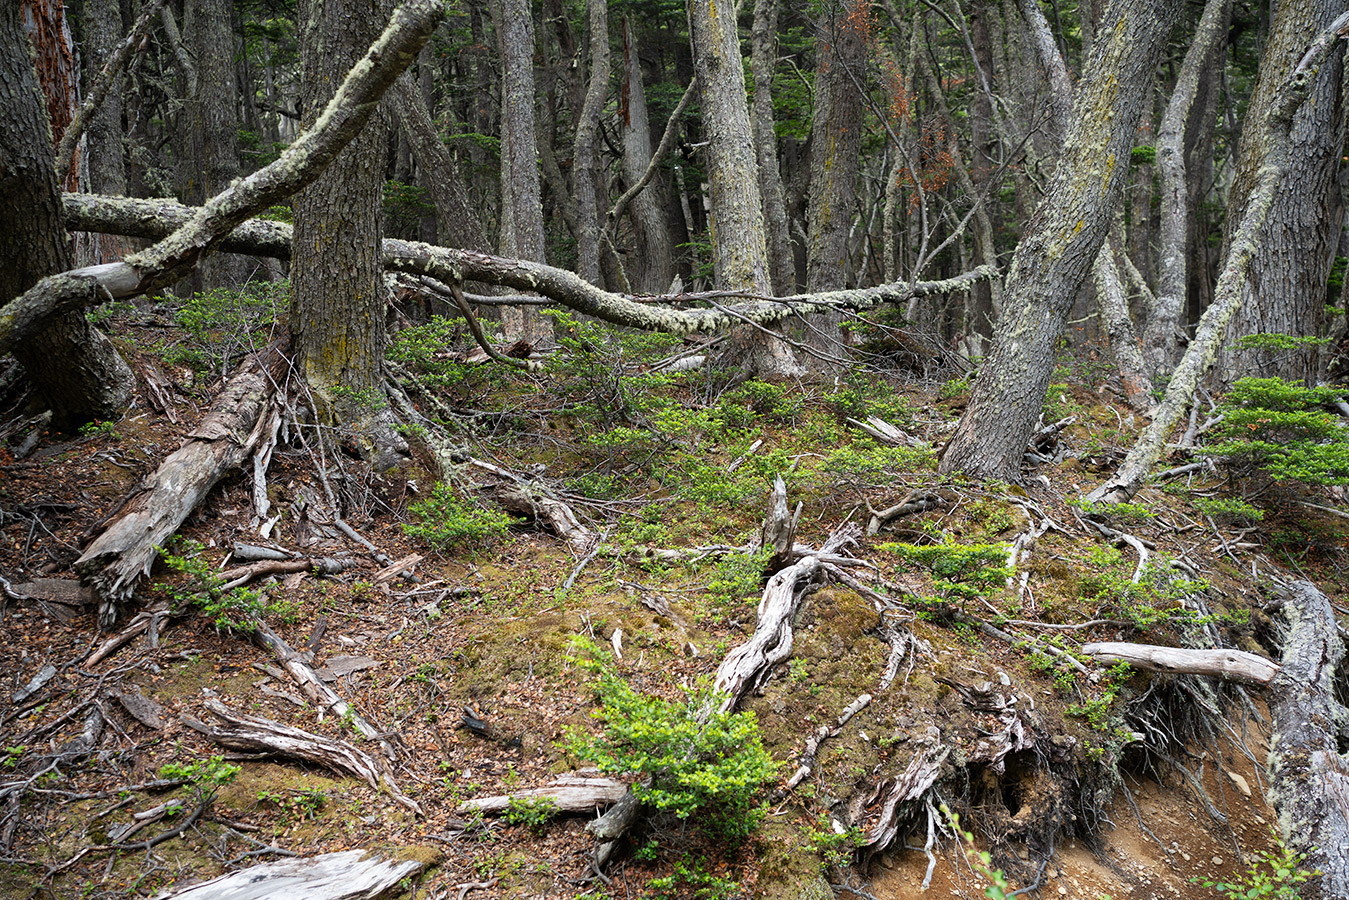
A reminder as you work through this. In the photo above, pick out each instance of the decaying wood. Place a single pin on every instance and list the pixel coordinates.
(253, 733)
(396, 568)
(1309, 778)
(1232, 665)
(900, 796)
(242, 575)
(139, 624)
(314, 687)
(128, 547)
(570, 794)
(348, 875)
(886, 433)
(552, 513)
(749, 664)
(915, 501)
(778, 533)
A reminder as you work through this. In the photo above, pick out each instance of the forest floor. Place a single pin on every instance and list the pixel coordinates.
(1078, 778)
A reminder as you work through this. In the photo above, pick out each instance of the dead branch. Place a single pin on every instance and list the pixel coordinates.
(242, 575)
(903, 794)
(570, 793)
(823, 733)
(1231, 665)
(128, 547)
(915, 501)
(256, 734)
(886, 433)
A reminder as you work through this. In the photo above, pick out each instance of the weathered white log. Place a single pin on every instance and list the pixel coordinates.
(1309, 778)
(1230, 665)
(884, 432)
(254, 733)
(750, 663)
(128, 547)
(241, 575)
(901, 795)
(570, 793)
(552, 513)
(348, 875)
(778, 533)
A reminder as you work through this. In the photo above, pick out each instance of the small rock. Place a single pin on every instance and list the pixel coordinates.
(1217, 860)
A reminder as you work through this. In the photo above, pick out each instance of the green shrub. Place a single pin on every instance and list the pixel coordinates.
(1274, 875)
(705, 767)
(1229, 509)
(1283, 429)
(533, 812)
(236, 609)
(959, 571)
(449, 522)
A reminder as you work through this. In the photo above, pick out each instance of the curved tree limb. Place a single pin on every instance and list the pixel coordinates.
(176, 255)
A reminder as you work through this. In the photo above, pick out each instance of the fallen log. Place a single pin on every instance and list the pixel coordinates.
(116, 561)
(241, 575)
(1309, 778)
(348, 875)
(254, 734)
(569, 793)
(915, 501)
(1230, 665)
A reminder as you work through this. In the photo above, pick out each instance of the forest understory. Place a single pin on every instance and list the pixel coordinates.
(464, 640)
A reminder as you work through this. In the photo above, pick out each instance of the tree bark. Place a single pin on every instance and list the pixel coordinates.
(1061, 242)
(585, 162)
(72, 366)
(1289, 267)
(764, 60)
(739, 248)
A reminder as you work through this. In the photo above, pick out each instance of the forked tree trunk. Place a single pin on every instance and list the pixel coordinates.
(1061, 242)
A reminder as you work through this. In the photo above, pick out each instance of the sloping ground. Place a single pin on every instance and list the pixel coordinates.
(469, 670)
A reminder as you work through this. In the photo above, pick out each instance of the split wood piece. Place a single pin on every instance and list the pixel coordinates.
(886, 433)
(1308, 775)
(242, 575)
(139, 624)
(129, 546)
(609, 828)
(348, 875)
(392, 571)
(823, 733)
(915, 501)
(902, 795)
(60, 598)
(571, 794)
(1042, 439)
(529, 500)
(256, 734)
(254, 553)
(314, 688)
(262, 459)
(779, 527)
(1230, 665)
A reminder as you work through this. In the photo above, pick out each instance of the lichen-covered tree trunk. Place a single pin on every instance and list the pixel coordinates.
(521, 198)
(1061, 242)
(835, 151)
(337, 285)
(72, 366)
(585, 163)
(653, 269)
(739, 248)
(1162, 330)
(763, 60)
(1286, 287)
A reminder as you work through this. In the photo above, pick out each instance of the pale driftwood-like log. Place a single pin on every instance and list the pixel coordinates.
(570, 793)
(314, 687)
(886, 433)
(902, 794)
(348, 875)
(915, 501)
(128, 547)
(253, 733)
(242, 575)
(1231, 665)
(749, 664)
(1309, 778)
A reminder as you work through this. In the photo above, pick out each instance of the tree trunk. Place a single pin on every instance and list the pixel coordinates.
(521, 204)
(1163, 329)
(654, 251)
(764, 59)
(585, 162)
(1286, 288)
(73, 367)
(835, 149)
(739, 248)
(1061, 242)
(337, 285)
